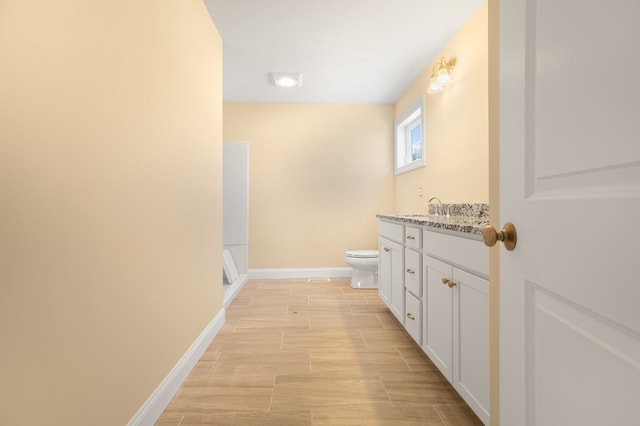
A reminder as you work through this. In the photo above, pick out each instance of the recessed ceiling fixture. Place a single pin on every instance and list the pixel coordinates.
(286, 79)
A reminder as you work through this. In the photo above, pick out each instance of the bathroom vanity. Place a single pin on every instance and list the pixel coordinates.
(433, 276)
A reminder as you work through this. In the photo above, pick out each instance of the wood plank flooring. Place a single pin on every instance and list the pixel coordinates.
(314, 352)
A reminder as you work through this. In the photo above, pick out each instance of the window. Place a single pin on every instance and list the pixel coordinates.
(409, 139)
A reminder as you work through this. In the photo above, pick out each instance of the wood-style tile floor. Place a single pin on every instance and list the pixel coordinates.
(314, 352)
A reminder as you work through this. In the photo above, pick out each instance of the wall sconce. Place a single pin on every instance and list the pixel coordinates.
(440, 76)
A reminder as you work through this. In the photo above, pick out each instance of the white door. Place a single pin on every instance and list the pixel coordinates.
(570, 182)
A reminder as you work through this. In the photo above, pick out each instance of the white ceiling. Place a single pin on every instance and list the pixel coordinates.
(349, 51)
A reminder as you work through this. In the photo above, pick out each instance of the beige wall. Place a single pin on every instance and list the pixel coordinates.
(456, 126)
(110, 191)
(320, 173)
(318, 176)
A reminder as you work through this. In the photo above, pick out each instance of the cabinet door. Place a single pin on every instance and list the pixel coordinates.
(384, 270)
(391, 276)
(397, 282)
(471, 341)
(439, 315)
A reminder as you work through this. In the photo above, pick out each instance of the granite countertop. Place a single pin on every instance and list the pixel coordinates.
(469, 220)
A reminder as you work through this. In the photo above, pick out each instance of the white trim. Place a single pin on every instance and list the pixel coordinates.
(232, 290)
(300, 273)
(160, 398)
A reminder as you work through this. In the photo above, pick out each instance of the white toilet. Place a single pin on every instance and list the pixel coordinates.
(365, 268)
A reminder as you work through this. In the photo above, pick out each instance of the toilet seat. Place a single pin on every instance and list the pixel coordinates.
(362, 254)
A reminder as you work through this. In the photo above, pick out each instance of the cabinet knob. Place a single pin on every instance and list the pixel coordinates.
(410, 316)
(508, 236)
(410, 271)
(447, 281)
(387, 249)
(410, 237)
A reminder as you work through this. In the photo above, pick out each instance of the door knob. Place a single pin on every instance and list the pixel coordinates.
(508, 236)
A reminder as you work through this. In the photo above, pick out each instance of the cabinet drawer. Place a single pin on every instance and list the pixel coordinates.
(413, 320)
(470, 255)
(413, 271)
(392, 231)
(413, 237)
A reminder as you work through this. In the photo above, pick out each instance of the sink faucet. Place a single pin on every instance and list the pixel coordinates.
(437, 207)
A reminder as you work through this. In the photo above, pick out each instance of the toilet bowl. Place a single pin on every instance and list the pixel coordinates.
(365, 268)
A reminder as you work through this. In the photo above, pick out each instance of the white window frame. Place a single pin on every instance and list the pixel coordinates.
(402, 140)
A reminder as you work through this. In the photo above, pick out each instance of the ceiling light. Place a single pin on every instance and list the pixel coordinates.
(286, 79)
(441, 75)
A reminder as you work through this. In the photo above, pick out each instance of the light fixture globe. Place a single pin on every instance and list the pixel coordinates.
(434, 86)
(441, 75)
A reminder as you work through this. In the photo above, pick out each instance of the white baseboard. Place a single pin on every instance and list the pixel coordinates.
(231, 290)
(266, 274)
(160, 398)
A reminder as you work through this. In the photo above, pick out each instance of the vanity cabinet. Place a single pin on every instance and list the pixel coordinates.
(456, 303)
(391, 267)
(435, 281)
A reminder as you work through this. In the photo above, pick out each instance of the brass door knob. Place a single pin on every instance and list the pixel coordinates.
(387, 249)
(445, 281)
(508, 236)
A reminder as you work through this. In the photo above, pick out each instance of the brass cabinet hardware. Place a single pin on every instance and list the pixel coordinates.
(387, 249)
(508, 236)
(410, 316)
(447, 281)
(410, 237)
(410, 271)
